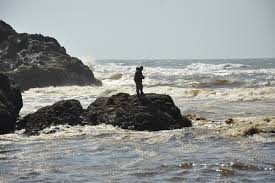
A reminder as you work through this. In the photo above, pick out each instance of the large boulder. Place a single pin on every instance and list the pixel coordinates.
(150, 112)
(61, 113)
(10, 104)
(34, 60)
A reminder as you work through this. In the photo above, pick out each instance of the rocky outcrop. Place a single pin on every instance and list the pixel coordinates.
(34, 60)
(151, 112)
(10, 104)
(61, 113)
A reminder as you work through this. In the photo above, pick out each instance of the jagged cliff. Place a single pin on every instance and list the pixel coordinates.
(34, 60)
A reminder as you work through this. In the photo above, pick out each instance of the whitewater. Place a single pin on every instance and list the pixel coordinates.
(211, 91)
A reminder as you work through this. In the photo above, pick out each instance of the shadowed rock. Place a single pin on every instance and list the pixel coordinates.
(10, 104)
(151, 112)
(251, 131)
(60, 113)
(34, 60)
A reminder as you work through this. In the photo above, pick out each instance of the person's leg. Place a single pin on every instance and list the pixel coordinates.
(137, 88)
(141, 89)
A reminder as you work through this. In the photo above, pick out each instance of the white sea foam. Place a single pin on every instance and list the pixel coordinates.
(75, 92)
(205, 75)
(98, 131)
(194, 84)
(39, 97)
(195, 68)
(244, 94)
(202, 67)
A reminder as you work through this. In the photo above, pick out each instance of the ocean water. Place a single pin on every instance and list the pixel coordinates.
(210, 151)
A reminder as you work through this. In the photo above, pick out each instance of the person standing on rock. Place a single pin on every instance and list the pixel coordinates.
(138, 80)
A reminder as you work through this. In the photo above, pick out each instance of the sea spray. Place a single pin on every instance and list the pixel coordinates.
(88, 61)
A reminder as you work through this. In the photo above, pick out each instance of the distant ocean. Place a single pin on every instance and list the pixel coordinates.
(213, 89)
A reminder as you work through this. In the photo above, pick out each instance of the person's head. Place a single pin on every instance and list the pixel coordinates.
(137, 68)
(141, 67)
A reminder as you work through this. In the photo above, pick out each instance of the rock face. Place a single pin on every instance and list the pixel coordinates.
(151, 112)
(60, 113)
(33, 60)
(10, 104)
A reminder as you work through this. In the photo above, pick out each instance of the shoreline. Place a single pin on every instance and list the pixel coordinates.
(237, 126)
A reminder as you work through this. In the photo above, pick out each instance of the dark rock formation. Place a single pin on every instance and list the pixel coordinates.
(10, 104)
(33, 60)
(251, 131)
(151, 112)
(60, 113)
(229, 121)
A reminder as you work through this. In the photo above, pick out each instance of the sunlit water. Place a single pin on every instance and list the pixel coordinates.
(214, 89)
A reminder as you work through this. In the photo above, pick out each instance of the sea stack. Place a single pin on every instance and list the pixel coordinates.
(34, 60)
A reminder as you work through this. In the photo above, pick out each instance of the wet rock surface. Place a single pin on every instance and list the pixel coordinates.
(10, 104)
(61, 113)
(151, 112)
(34, 60)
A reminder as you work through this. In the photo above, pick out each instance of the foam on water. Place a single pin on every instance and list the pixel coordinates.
(202, 129)
(185, 98)
(208, 68)
(211, 151)
(240, 94)
(108, 89)
(185, 75)
(103, 152)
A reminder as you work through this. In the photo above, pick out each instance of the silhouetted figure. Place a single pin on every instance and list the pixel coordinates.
(138, 80)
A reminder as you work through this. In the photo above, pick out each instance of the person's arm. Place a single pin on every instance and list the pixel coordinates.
(141, 75)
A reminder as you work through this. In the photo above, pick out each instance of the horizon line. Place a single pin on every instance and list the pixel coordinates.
(244, 58)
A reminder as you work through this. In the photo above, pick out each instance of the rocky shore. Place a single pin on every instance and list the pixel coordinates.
(34, 60)
(151, 112)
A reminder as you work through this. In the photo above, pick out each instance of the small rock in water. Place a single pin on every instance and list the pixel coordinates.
(200, 118)
(65, 112)
(229, 121)
(186, 165)
(227, 172)
(242, 166)
(267, 120)
(251, 131)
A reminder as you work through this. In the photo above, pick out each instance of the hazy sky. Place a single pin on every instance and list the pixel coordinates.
(135, 29)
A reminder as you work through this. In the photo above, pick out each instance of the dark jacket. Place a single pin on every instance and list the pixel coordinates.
(138, 75)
